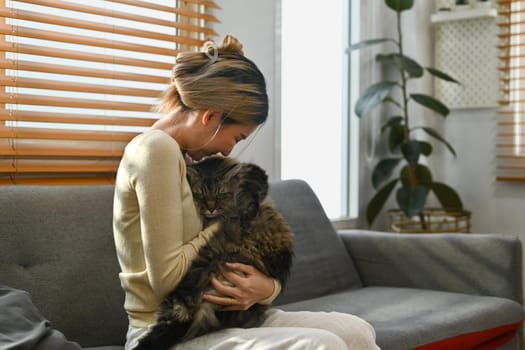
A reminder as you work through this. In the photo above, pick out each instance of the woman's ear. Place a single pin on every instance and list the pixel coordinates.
(211, 116)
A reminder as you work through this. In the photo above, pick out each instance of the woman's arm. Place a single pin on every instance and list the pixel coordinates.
(158, 179)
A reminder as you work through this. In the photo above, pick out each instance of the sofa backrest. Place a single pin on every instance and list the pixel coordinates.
(321, 263)
(56, 242)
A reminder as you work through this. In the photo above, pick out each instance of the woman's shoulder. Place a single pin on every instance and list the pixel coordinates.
(154, 140)
(154, 136)
(150, 149)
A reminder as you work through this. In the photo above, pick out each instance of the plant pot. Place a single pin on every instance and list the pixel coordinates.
(437, 220)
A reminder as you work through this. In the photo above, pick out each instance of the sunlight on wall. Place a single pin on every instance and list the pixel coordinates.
(92, 65)
(313, 114)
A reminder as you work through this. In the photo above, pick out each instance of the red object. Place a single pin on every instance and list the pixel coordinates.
(484, 340)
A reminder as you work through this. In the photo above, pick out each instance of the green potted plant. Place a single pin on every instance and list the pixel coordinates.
(413, 180)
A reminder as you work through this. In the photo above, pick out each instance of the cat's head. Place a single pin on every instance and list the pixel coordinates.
(224, 188)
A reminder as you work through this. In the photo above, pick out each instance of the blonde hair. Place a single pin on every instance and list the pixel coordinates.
(219, 78)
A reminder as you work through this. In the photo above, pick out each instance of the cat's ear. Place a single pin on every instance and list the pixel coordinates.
(256, 178)
(252, 189)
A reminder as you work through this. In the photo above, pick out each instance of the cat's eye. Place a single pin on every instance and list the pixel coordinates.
(223, 195)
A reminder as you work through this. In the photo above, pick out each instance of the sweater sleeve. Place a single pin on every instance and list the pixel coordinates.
(276, 290)
(158, 181)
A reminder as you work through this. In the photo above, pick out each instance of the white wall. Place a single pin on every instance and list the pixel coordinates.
(496, 206)
(254, 23)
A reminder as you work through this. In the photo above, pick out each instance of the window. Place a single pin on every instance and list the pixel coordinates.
(80, 79)
(511, 121)
(319, 137)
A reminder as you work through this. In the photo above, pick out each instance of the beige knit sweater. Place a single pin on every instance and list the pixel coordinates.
(156, 227)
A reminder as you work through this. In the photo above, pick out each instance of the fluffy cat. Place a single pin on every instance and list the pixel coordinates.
(252, 232)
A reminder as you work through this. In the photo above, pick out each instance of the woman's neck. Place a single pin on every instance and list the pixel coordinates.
(178, 125)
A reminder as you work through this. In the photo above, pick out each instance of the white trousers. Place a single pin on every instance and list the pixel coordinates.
(301, 330)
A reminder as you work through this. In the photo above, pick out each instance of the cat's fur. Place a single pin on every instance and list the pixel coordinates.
(252, 232)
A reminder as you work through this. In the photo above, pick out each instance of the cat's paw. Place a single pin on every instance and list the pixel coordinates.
(181, 313)
(249, 211)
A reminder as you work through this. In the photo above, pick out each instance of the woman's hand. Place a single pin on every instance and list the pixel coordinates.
(248, 286)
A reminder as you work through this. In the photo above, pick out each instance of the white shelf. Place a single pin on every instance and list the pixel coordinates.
(458, 15)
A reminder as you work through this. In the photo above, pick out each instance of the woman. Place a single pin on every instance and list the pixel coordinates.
(216, 99)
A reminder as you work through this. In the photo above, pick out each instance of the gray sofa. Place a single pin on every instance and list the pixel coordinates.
(440, 291)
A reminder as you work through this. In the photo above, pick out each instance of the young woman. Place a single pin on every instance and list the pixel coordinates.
(216, 99)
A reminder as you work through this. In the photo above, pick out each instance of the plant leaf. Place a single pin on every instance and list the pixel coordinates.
(396, 137)
(439, 74)
(376, 203)
(370, 42)
(425, 148)
(431, 103)
(422, 174)
(372, 97)
(411, 200)
(392, 122)
(413, 68)
(447, 196)
(436, 135)
(389, 99)
(383, 170)
(411, 151)
(399, 5)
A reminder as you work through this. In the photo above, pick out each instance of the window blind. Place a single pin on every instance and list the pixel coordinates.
(510, 143)
(80, 79)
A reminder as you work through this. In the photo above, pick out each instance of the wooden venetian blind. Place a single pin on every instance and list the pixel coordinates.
(80, 78)
(510, 151)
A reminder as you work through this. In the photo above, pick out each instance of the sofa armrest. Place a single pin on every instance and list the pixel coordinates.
(479, 264)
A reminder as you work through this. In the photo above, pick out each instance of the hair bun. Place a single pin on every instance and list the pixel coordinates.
(231, 44)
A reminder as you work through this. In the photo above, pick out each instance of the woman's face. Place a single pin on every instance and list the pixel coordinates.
(223, 142)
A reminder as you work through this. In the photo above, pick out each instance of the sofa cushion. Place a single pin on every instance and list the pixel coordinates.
(406, 318)
(321, 264)
(57, 244)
